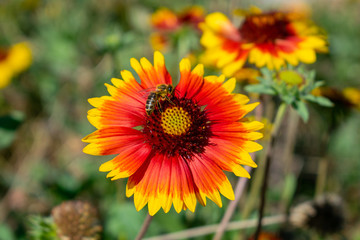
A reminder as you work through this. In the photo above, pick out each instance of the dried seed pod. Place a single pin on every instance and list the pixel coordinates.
(76, 220)
(325, 215)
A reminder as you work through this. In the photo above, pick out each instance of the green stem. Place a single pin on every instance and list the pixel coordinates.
(255, 187)
(259, 175)
(321, 177)
(278, 120)
(287, 160)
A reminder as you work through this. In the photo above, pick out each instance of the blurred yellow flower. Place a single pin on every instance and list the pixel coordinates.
(248, 75)
(269, 39)
(13, 61)
(353, 96)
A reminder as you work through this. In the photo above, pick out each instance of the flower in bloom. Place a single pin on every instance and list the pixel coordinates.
(13, 60)
(169, 24)
(247, 75)
(269, 39)
(167, 20)
(177, 154)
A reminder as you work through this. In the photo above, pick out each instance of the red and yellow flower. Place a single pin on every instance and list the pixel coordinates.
(13, 60)
(166, 20)
(269, 39)
(168, 24)
(177, 154)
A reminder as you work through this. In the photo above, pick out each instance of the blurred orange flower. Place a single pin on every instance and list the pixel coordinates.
(167, 20)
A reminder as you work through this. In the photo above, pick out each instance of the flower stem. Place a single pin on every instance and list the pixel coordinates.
(278, 120)
(144, 227)
(240, 186)
(321, 177)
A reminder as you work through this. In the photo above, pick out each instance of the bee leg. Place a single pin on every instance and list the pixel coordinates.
(167, 98)
(159, 106)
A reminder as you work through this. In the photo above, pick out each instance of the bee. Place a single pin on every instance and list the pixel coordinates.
(162, 92)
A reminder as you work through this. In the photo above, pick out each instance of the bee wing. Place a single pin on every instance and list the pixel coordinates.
(144, 93)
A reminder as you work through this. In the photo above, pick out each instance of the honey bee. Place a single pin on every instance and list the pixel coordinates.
(162, 92)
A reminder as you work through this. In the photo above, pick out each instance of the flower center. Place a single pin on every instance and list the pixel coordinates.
(175, 121)
(265, 28)
(180, 128)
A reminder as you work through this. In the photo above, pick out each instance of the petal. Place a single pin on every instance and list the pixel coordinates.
(126, 163)
(209, 179)
(151, 76)
(112, 140)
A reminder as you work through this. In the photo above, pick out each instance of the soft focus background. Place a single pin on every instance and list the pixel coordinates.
(78, 45)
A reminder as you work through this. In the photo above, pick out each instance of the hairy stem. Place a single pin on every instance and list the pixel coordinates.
(232, 206)
(144, 227)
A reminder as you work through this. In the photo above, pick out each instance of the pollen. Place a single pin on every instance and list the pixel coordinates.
(175, 121)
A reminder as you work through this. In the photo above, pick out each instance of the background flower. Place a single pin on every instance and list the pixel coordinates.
(269, 39)
(13, 61)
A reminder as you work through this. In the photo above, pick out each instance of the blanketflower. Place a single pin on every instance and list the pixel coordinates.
(171, 27)
(353, 96)
(177, 154)
(159, 41)
(269, 39)
(13, 60)
(167, 20)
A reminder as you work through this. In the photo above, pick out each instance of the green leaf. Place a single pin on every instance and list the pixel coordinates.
(302, 110)
(288, 99)
(8, 126)
(318, 84)
(311, 74)
(41, 228)
(259, 88)
(323, 101)
(266, 73)
(309, 97)
(289, 188)
(5, 232)
(11, 121)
